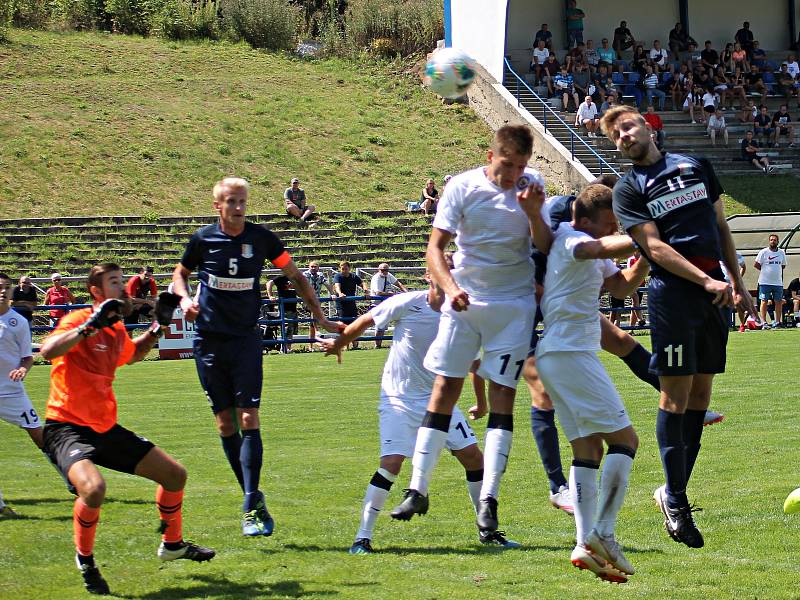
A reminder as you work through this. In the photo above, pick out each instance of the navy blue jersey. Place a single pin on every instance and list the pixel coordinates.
(229, 269)
(678, 194)
(560, 211)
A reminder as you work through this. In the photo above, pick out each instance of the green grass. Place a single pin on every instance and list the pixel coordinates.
(319, 425)
(754, 194)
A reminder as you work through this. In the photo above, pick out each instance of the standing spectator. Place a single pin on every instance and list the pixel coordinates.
(317, 280)
(287, 305)
(709, 58)
(575, 18)
(429, 197)
(538, 58)
(545, 35)
(762, 127)
(345, 284)
(57, 295)
(781, 125)
(744, 37)
(750, 150)
(142, 291)
(623, 39)
(563, 85)
(659, 57)
(24, 298)
(587, 116)
(607, 55)
(794, 295)
(717, 126)
(679, 40)
(383, 285)
(657, 125)
(294, 199)
(771, 261)
(651, 88)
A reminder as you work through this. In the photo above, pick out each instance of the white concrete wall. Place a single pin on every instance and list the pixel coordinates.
(479, 28)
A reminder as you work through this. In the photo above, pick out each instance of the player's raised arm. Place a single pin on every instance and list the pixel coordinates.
(741, 297)
(309, 297)
(610, 246)
(440, 271)
(351, 333)
(531, 199)
(180, 285)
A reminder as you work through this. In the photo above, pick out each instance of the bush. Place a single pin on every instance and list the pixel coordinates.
(411, 25)
(6, 14)
(133, 16)
(81, 14)
(186, 20)
(34, 14)
(271, 24)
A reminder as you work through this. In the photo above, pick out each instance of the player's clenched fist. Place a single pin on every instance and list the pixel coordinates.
(190, 308)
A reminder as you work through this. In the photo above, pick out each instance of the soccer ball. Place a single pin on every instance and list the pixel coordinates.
(450, 72)
(792, 503)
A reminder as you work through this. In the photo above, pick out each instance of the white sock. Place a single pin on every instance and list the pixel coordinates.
(474, 489)
(583, 487)
(430, 443)
(613, 485)
(374, 500)
(497, 447)
(2, 504)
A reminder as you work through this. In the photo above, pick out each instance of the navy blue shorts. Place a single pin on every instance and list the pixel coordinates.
(537, 320)
(230, 369)
(689, 334)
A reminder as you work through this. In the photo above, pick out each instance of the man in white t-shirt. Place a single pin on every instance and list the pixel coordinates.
(383, 284)
(659, 56)
(588, 406)
(491, 212)
(540, 54)
(405, 389)
(587, 116)
(771, 262)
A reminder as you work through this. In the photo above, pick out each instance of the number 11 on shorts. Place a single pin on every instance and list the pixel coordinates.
(676, 352)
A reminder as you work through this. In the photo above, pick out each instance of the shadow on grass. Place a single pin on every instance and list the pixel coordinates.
(70, 499)
(430, 550)
(220, 587)
(24, 517)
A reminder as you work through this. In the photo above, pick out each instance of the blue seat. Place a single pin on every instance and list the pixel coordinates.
(633, 77)
(768, 77)
(666, 77)
(618, 78)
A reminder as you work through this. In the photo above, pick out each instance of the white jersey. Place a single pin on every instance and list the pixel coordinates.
(416, 325)
(772, 264)
(571, 289)
(740, 262)
(15, 344)
(492, 236)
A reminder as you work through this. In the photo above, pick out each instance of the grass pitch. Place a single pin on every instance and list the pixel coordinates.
(319, 427)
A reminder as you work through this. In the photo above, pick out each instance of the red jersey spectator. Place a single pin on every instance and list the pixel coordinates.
(656, 123)
(143, 291)
(58, 294)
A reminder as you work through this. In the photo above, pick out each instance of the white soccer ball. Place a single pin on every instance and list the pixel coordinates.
(450, 72)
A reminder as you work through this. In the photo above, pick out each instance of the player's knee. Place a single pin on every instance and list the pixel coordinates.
(176, 477)
(471, 457)
(92, 490)
(248, 419)
(392, 463)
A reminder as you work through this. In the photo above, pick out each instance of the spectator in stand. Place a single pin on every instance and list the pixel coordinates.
(57, 295)
(709, 58)
(716, 127)
(656, 124)
(591, 56)
(762, 127)
(659, 57)
(24, 298)
(726, 58)
(770, 262)
(690, 102)
(744, 37)
(563, 86)
(651, 87)
(640, 59)
(678, 87)
(143, 292)
(345, 284)
(739, 58)
(737, 85)
(679, 40)
(703, 79)
(785, 83)
(582, 80)
(693, 57)
(575, 18)
(382, 285)
(538, 58)
(295, 200)
(794, 295)
(709, 103)
(748, 112)
(750, 150)
(755, 83)
(623, 39)
(575, 57)
(612, 100)
(600, 81)
(287, 305)
(317, 280)
(607, 55)
(587, 117)
(550, 70)
(545, 35)
(782, 125)
(792, 66)
(758, 56)
(429, 197)
(721, 87)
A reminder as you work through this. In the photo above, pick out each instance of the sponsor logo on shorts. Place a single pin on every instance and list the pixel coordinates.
(254, 400)
(214, 251)
(230, 284)
(664, 204)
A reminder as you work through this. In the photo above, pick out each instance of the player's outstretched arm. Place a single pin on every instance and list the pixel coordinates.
(104, 315)
(180, 285)
(531, 200)
(440, 271)
(610, 246)
(625, 282)
(351, 332)
(741, 297)
(309, 297)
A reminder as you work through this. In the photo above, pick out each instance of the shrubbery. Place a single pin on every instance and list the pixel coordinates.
(268, 24)
(186, 20)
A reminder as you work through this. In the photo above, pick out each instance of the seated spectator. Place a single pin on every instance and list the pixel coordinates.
(709, 58)
(587, 117)
(591, 56)
(748, 112)
(639, 60)
(610, 102)
(581, 80)
(785, 83)
(722, 87)
(659, 57)
(792, 66)
(295, 200)
(563, 87)
(692, 57)
(737, 85)
(538, 58)
(750, 150)
(607, 55)
(793, 294)
(717, 126)
(691, 102)
(758, 56)
(739, 58)
(57, 295)
(429, 198)
(24, 298)
(656, 124)
(550, 69)
(762, 127)
(726, 58)
(623, 39)
(382, 285)
(143, 292)
(678, 87)
(288, 293)
(782, 125)
(744, 37)
(545, 35)
(710, 103)
(679, 40)
(575, 57)
(651, 88)
(600, 81)
(755, 83)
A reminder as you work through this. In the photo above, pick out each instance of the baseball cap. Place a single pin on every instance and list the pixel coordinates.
(295, 180)
(55, 276)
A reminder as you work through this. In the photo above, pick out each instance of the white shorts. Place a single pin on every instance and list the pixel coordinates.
(583, 395)
(501, 327)
(18, 410)
(399, 423)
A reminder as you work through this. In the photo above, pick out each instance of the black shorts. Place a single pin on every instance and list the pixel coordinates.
(230, 369)
(118, 448)
(688, 333)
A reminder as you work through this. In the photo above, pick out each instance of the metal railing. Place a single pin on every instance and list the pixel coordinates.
(574, 137)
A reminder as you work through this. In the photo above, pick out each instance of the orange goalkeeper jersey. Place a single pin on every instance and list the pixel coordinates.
(80, 382)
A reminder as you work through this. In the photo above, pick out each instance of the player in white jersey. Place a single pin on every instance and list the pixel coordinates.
(405, 389)
(16, 359)
(588, 406)
(491, 213)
